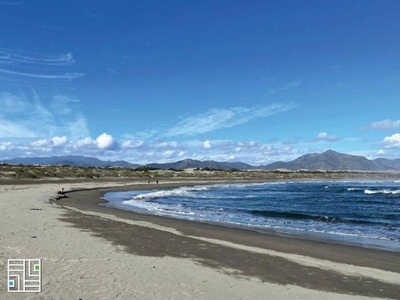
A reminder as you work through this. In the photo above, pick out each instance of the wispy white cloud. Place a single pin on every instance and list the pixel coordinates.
(13, 129)
(251, 144)
(87, 141)
(392, 141)
(290, 85)
(77, 128)
(323, 136)
(56, 60)
(380, 152)
(284, 87)
(21, 118)
(130, 144)
(141, 135)
(249, 147)
(151, 145)
(163, 145)
(40, 143)
(225, 118)
(59, 141)
(17, 67)
(386, 124)
(207, 145)
(45, 76)
(62, 104)
(10, 103)
(169, 153)
(24, 117)
(5, 146)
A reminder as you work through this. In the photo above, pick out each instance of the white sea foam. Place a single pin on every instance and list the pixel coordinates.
(179, 212)
(384, 191)
(245, 185)
(355, 189)
(157, 208)
(179, 192)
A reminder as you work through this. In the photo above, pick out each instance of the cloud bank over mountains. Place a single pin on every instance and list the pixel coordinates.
(29, 128)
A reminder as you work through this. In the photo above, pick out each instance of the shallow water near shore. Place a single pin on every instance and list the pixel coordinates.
(353, 212)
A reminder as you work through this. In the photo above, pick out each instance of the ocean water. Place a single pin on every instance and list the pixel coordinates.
(363, 213)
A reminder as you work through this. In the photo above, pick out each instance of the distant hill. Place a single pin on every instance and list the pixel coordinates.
(328, 160)
(191, 163)
(388, 164)
(332, 160)
(71, 160)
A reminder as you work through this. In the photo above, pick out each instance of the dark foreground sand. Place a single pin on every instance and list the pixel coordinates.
(272, 258)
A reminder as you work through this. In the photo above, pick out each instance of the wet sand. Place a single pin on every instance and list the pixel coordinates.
(269, 257)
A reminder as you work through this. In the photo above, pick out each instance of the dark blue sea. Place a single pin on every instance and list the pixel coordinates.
(353, 212)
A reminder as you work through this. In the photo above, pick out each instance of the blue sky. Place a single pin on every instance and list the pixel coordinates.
(158, 81)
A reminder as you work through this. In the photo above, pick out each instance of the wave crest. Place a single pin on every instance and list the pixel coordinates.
(188, 192)
(384, 191)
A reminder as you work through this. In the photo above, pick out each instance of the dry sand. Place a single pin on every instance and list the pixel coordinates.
(109, 254)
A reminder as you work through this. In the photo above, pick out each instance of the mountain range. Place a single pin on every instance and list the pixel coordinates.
(332, 160)
(211, 164)
(71, 160)
(328, 160)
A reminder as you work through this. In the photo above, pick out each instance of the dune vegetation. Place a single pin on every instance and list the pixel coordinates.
(8, 171)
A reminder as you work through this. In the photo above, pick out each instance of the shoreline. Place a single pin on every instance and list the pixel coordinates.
(274, 250)
(357, 241)
(89, 251)
(92, 200)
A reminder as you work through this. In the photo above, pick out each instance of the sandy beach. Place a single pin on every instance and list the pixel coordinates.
(89, 251)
